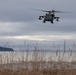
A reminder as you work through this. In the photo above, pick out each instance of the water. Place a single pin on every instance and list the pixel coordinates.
(9, 57)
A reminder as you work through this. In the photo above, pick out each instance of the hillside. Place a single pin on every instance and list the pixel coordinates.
(5, 49)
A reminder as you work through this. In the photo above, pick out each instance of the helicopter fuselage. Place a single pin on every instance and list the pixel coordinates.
(49, 17)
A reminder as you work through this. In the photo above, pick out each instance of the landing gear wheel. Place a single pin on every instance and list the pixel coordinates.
(44, 21)
(52, 22)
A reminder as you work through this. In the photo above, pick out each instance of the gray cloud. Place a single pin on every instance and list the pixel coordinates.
(38, 28)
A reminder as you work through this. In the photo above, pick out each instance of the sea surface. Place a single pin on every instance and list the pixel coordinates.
(19, 56)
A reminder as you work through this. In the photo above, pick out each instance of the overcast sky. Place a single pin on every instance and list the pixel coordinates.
(18, 22)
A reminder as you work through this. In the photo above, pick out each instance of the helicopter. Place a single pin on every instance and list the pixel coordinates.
(49, 16)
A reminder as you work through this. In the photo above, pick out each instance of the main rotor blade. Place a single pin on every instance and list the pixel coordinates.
(60, 12)
(42, 10)
(53, 11)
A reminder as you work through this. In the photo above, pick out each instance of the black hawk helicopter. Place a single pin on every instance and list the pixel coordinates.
(49, 16)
